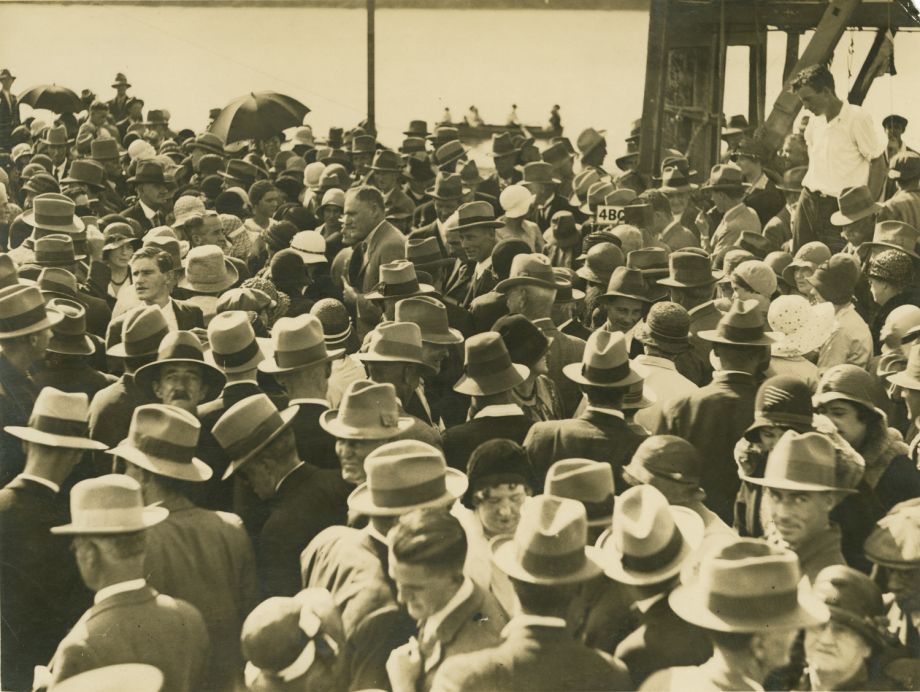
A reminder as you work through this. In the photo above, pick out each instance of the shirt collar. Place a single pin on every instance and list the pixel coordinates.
(285, 476)
(148, 212)
(375, 534)
(120, 587)
(499, 410)
(608, 411)
(655, 362)
(431, 625)
(41, 481)
(646, 604)
(308, 400)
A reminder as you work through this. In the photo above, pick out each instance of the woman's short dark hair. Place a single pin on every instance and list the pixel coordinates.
(259, 189)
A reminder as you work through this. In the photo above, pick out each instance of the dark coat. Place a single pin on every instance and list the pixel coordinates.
(188, 317)
(594, 435)
(563, 350)
(141, 626)
(354, 566)
(486, 309)
(17, 397)
(41, 593)
(713, 419)
(9, 119)
(457, 283)
(74, 377)
(386, 244)
(111, 409)
(778, 230)
(493, 185)
(308, 501)
(482, 285)
(543, 215)
(136, 213)
(314, 444)
(766, 201)
(533, 657)
(461, 440)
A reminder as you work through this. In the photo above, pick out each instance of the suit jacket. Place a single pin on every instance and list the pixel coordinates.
(308, 501)
(384, 244)
(486, 309)
(118, 107)
(17, 397)
(206, 559)
(563, 350)
(542, 215)
(9, 119)
(475, 624)
(188, 316)
(713, 418)
(313, 443)
(457, 283)
(703, 318)
(494, 185)
(41, 593)
(136, 213)
(460, 441)
(479, 286)
(354, 567)
(78, 376)
(111, 409)
(533, 657)
(662, 640)
(765, 199)
(595, 435)
(140, 626)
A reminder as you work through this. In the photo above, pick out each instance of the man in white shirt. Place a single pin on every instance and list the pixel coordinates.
(845, 149)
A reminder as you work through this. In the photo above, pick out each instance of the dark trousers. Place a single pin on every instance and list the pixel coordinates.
(813, 221)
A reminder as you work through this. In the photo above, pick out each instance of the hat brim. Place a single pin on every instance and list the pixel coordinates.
(150, 516)
(691, 527)
(287, 417)
(361, 500)
(513, 281)
(75, 226)
(253, 362)
(375, 358)
(719, 187)
(423, 290)
(195, 472)
(51, 440)
(688, 602)
(504, 555)
(494, 384)
(631, 296)
(622, 161)
(577, 294)
(311, 257)
(52, 317)
(838, 218)
(82, 347)
(573, 372)
(453, 336)
(232, 277)
(689, 187)
(891, 246)
(478, 224)
(585, 273)
(271, 367)
(672, 283)
(713, 336)
(115, 244)
(827, 397)
(784, 484)
(329, 421)
(902, 379)
(212, 377)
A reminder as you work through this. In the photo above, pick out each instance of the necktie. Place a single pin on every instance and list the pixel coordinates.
(355, 264)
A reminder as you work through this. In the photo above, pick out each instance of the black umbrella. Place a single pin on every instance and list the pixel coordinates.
(54, 98)
(258, 116)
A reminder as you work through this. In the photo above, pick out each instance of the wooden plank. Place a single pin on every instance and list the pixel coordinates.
(757, 81)
(743, 15)
(653, 100)
(792, 52)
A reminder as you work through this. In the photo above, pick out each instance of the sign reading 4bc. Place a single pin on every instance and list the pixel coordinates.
(610, 216)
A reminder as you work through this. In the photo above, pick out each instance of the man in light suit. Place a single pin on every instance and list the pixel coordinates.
(375, 241)
(601, 432)
(130, 621)
(726, 188)
(198, 555)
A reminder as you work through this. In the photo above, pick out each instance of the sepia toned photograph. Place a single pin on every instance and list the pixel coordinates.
(459, 345)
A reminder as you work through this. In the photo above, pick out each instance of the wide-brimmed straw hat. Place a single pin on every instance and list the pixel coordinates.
(248, 427)
(649, 540)
(748, 586)
(109, 505)
(487, 367)
(801, 462)
(297, 343)
(58, 419)
(368, 411)
(742, 325)
(207, 270)
(549, 544)
(181, 348)
(163, 439)
(590, 482)
(803, 327)
(404, 475)
(605, 362)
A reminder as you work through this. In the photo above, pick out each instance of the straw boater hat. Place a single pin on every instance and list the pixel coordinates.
(649, 540)
(801, 462)
(109, 505)
(670, 464)
(742, 325)
(398, 279)
(233, 343)
(548, 546)
(207, 270)
(248, 427)
(368, 411)
(748, 586)
(162, 439)
(589, 482)
(394, 342)
(54, 212)
(804, 327)
(141, 333)
(405, 475)
(430, 315)
(487, 367)
(58, 419)
(297, 343)
(180, 347)
(605, 362)
(69, 337)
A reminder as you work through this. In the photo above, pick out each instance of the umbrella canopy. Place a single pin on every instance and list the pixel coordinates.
(54, 98)
(258, 116)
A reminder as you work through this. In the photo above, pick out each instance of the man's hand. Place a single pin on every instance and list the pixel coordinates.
(404, 667)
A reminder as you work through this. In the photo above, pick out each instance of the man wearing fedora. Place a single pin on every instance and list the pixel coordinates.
(539, 180)
(130, 621)
(375, 241)
(601, 432)
(354, 563)
(427, 552)
(488, 307)
(384, 175)
(762, 194)
(530, 290)
(9, 108)
(476, 226)
(714, 417)
(154, 196)
(446, 196)
(504, 155)
(302, 365)
(55, 143)
(904, 205)
(25, 332)
(40, 590)
(745, 595)
(118, 106)
(547, 561)
(778, 230)
(51, 213)
(180, 376)
(726, 188)
(301, 499)
(200, 556)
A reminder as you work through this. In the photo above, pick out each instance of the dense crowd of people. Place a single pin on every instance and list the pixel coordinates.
(309, 413)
